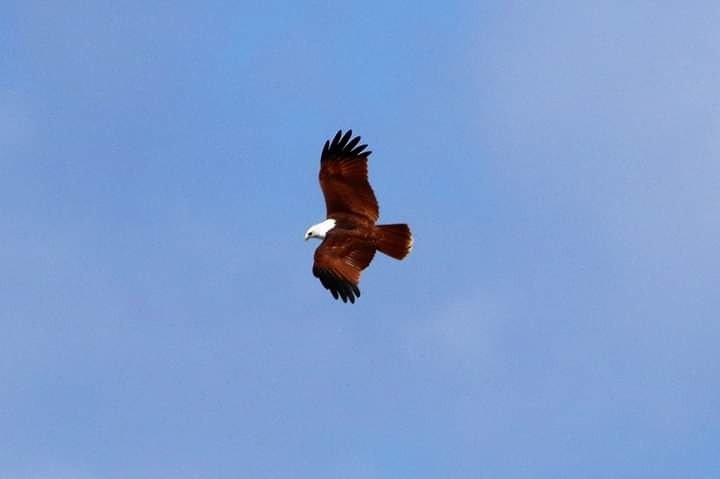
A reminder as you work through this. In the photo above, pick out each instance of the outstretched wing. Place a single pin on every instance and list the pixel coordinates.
(339, 260)
(344, 178)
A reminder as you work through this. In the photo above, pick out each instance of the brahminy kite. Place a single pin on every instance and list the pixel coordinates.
(350, 235)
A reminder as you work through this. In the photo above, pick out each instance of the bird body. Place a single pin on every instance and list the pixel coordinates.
(350, 235)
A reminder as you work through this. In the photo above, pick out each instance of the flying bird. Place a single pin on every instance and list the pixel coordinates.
(350, 235)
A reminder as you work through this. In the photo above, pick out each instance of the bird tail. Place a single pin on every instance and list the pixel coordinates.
(395, 241)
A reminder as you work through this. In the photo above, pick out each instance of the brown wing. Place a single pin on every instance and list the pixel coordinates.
(344, 178)
(339, 260)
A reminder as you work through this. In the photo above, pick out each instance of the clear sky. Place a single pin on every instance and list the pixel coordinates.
(559, 163)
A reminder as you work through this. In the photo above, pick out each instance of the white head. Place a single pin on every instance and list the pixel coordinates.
(320, 230)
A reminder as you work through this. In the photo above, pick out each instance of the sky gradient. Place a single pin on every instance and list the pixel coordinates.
(558, 162)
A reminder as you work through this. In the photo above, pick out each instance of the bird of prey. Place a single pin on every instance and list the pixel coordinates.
(350, 235)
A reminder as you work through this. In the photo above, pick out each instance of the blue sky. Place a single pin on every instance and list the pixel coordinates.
(559, 163)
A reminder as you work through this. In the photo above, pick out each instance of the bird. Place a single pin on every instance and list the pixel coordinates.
(350, 234)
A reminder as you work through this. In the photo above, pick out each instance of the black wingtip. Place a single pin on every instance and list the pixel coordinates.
(344, 145)
(352, 143)
(359, 149)
(336, 138)
(344, 140)
(338, 287)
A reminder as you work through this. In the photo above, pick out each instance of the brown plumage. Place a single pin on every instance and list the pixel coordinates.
(351, 235)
